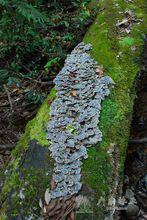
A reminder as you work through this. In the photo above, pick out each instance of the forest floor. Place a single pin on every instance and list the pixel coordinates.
(26, 84)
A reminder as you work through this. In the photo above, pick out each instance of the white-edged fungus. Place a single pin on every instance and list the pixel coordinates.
(74, 118)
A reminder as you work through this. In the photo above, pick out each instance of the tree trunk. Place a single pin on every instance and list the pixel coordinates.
(28, 175)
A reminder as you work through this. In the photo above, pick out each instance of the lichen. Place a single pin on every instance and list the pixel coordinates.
(80, 92)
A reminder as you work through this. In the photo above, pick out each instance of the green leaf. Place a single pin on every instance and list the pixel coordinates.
(127, 41)
(66, 24)
(67, 37)
(3, 75)
(33, 96)
(51, 62)
(3, 2)
(13, 81)
(31, 13)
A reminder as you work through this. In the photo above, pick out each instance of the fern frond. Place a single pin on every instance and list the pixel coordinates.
(3, 2)
(31, 13)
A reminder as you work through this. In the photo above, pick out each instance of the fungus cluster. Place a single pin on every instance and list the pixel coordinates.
(74, 118)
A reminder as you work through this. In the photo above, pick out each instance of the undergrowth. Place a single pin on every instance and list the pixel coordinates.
(35, 37)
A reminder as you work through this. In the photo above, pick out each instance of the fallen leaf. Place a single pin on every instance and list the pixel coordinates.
(40, 203)
(71, 216)
(50, 101)
(53, 184)
(44, 209)
(73, 93)
(100, 70)
(47, 196)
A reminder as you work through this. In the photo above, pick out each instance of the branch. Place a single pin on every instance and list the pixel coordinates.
(7, 146)
(9, 97)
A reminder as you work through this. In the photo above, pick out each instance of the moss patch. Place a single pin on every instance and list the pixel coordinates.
(38, 131)
(22, 174)
(114, 52)
(26, 182)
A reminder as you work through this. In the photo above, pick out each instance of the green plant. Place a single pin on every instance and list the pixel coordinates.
(51, 62)
(127, 41)
(35, 37)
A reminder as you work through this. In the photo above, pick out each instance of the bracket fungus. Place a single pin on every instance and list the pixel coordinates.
(74, 118)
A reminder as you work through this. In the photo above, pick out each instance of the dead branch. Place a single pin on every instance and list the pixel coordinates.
(9, 97)
(7, 146)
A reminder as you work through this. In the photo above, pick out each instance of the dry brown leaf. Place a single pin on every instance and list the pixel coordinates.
(73, 93)
(40, 203)
(53, 184)
(100, 70)
(50, 101)
(47, 196)
(71, 216)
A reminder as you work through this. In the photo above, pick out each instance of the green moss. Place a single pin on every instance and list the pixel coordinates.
(96, 169)
(38, 130)
(115, 54)
(32, 181)
(3, 217)
(37, 180)
(127, 41)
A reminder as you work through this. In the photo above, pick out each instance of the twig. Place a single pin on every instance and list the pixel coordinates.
(34, 80)
(138, 141)
(43, 83)
(9, 97)
(7, 146)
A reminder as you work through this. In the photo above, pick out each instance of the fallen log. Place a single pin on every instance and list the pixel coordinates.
(26, 178)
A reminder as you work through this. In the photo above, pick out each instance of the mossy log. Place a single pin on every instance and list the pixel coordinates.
(28, 175)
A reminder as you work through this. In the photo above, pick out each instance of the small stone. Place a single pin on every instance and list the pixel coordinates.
(129, 194)
(132, 210)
